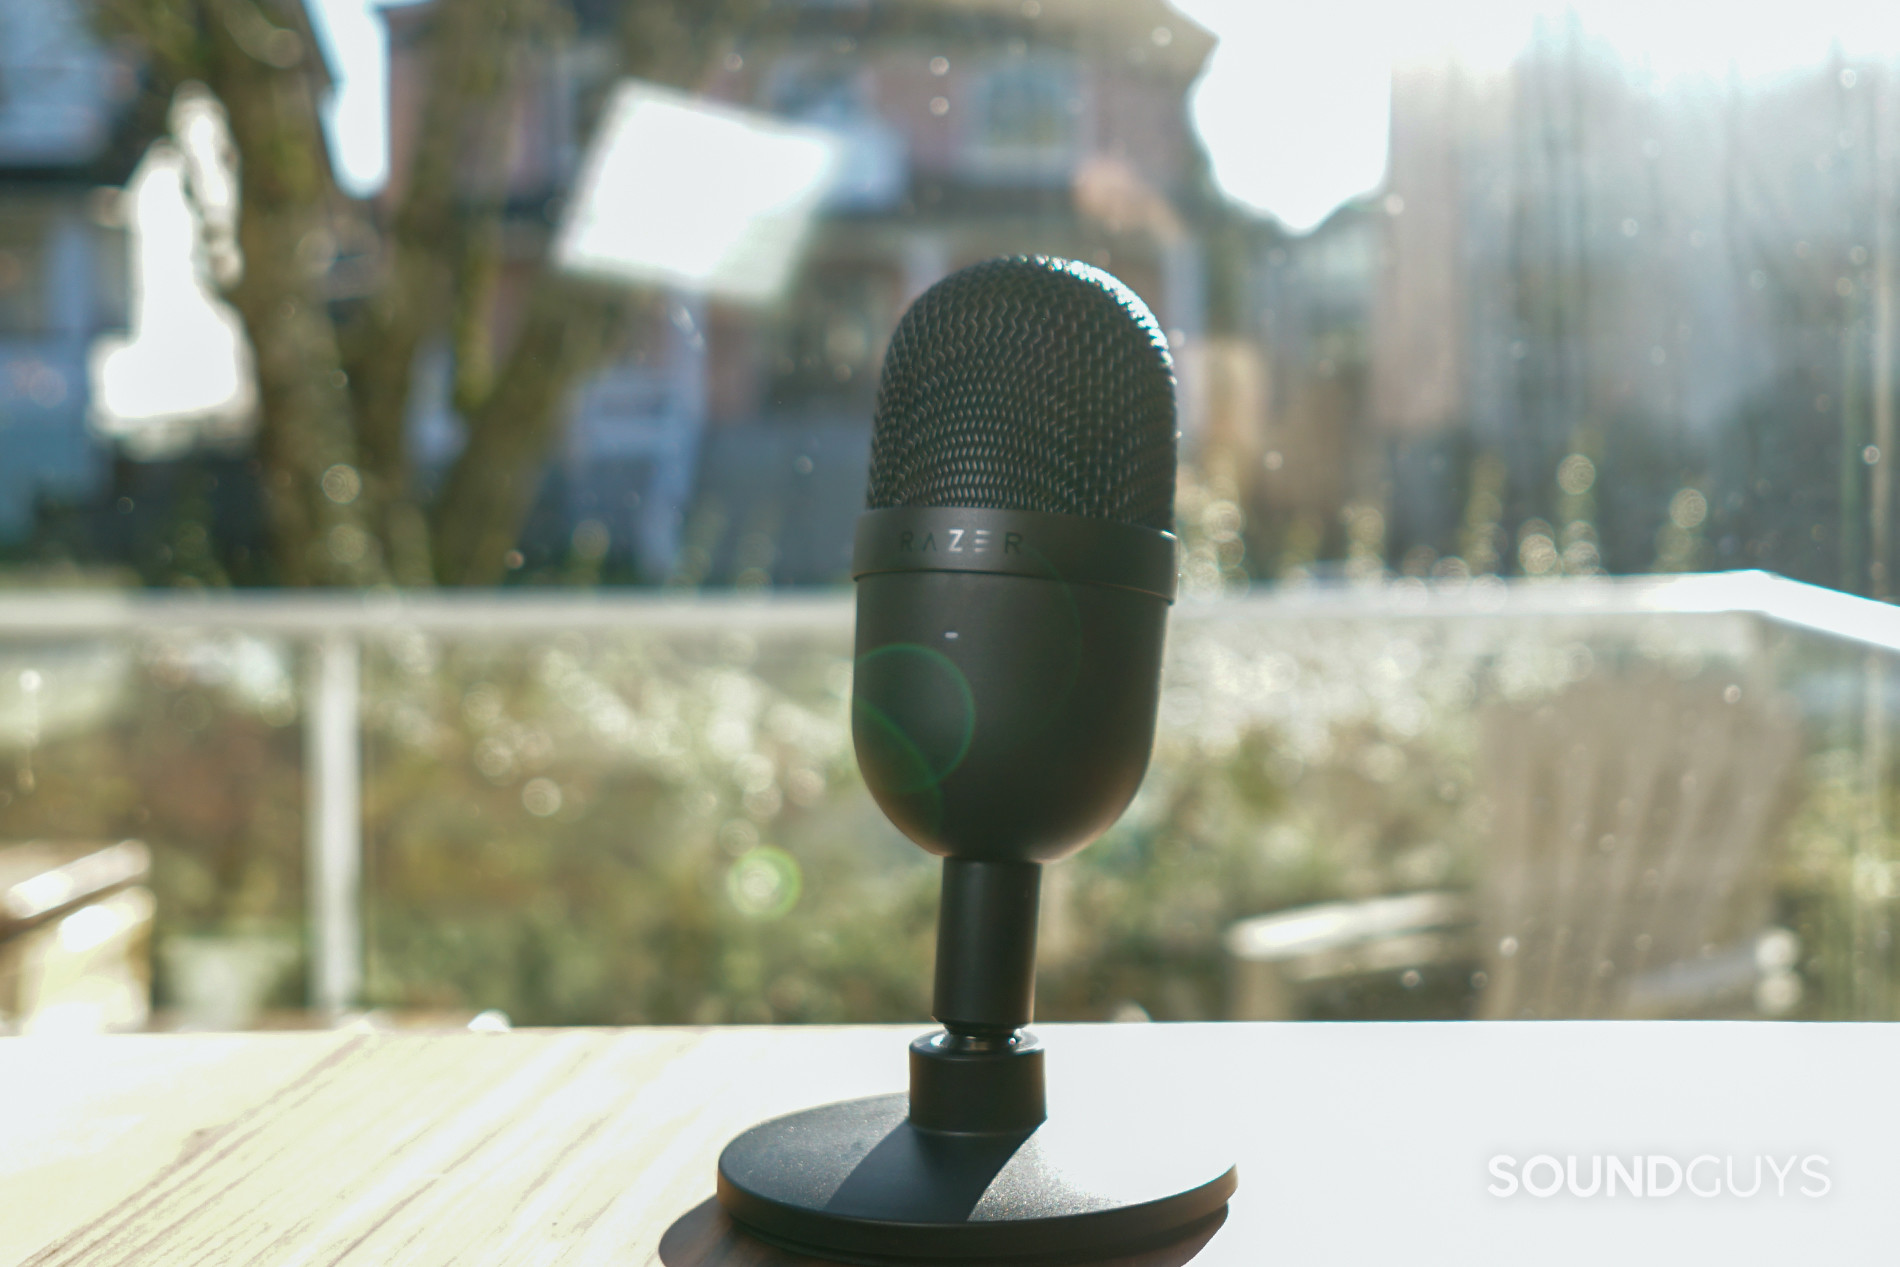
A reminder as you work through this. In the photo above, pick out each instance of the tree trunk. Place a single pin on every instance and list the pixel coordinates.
(332, 445)
(471, 60)
(319, 517)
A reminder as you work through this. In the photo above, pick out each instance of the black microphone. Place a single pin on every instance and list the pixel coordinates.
(1014, 569)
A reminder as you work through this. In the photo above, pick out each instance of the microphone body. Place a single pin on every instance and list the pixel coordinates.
(1003, 704)
(1014, 572)
(1003, 710)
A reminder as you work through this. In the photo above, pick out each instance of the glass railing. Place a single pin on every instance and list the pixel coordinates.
(1659, 797)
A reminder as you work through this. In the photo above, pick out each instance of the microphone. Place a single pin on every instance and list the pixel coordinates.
(1014, 569)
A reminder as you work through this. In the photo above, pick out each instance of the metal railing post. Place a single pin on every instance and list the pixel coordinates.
(333, 822)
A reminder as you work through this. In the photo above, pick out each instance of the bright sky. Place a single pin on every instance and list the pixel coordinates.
(184, 371)
(356, 115)
(1293, 106)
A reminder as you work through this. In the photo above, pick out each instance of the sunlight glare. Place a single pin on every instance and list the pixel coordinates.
(681, 192)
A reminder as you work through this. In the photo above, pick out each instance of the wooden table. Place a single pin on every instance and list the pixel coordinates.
(1357, 1143)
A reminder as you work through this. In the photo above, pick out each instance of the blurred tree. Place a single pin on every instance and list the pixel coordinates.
(334, 382)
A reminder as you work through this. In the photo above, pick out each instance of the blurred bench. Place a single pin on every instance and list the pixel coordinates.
(1636, 823)
(75, 937)
(1629, 873)
(1384, 957)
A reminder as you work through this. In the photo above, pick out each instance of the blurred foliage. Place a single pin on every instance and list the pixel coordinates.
(617, 828)
(186, 743)
(666, 825)
(606, 828)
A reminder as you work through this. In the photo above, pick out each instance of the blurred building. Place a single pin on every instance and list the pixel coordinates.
(1597, 318)
(1669, 283)
(728, 442)
(64, 150)
(1317, 451)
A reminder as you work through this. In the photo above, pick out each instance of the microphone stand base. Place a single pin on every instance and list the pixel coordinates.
(857, 1182)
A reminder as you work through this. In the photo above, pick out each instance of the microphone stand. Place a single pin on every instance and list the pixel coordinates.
(983, 1072)
(1013, 580)
(968, 1165)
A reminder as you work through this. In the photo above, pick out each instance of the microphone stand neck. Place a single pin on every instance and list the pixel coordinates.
(983, 1074)
(986, 948)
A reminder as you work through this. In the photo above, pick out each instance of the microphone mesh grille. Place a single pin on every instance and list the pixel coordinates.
(1028, 383)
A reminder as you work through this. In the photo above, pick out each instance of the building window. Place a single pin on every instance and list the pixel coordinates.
(1026, 122)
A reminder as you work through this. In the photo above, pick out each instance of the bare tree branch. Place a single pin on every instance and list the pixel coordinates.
(471, 55)
(331, 398)
(477, 519)
(479, 513)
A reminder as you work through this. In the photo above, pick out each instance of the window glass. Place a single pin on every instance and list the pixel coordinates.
(1535, 367)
